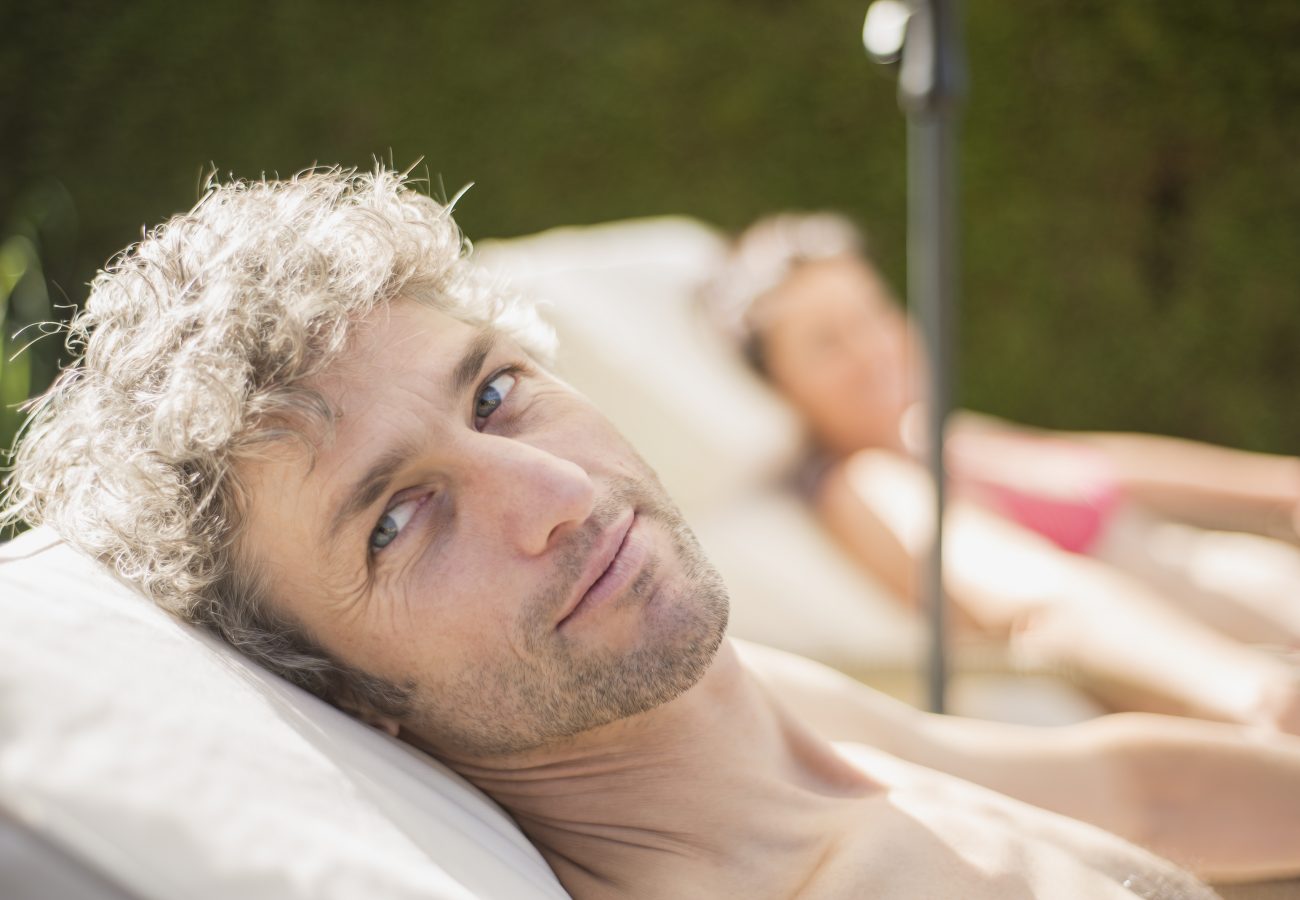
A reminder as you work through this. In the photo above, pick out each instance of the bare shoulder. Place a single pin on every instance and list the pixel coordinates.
(928, 834)
(833, 704)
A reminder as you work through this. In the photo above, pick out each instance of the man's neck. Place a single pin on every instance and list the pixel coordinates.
(717, 785)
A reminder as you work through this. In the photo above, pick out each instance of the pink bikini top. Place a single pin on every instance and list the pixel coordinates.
(1063, 491)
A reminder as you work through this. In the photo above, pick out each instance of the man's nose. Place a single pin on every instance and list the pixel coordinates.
(527, 494)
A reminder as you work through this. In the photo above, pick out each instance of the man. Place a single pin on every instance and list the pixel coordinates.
(303, 422)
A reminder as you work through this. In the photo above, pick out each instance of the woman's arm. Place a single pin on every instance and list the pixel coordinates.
(1218, 799)
(1202, 484)
(1205, 485)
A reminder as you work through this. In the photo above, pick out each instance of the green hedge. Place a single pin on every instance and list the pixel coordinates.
(1130, 186)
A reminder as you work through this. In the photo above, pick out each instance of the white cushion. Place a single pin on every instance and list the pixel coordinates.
(175, 767)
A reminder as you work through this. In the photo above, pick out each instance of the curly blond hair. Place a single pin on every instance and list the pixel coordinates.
(193, 351)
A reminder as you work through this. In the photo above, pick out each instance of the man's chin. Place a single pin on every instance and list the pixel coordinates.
(581, 688)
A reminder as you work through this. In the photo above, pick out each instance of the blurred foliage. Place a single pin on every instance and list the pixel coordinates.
(41, 224)
(1130, 190)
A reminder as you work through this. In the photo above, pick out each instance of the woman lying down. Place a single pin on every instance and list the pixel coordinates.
(1163, 573)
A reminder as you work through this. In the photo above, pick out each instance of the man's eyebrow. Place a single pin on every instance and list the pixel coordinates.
(379, 475)
(466, 371)
(368, 488)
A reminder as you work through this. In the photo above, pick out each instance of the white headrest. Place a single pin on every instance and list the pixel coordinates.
(178, 769)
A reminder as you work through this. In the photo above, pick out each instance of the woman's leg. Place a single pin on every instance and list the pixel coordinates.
(1244, 585)
(1138, 651)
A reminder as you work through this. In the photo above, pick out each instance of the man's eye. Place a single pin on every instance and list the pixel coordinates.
(391, 523)
(494, 393)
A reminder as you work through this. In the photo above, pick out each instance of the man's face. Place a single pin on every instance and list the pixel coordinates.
(475, 529)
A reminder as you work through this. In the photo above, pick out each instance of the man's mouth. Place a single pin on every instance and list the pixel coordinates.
(617, 557)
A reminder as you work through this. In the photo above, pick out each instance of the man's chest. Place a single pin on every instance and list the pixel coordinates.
(931, 835)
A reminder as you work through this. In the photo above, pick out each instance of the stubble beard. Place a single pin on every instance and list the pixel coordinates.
(565, 686)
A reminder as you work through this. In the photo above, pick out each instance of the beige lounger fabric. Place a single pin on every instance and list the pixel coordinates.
(176, 769)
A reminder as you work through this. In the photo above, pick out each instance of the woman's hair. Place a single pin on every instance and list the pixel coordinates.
(760, 259)
(194, 351)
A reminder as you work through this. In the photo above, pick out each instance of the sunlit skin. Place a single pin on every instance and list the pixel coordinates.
(677, 774)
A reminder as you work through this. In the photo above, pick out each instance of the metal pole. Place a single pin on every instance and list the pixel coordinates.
(929, 87)
(931, 83)
(930, 267)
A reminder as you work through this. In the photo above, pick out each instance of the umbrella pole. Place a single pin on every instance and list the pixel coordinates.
(931, 83)
(931, 281)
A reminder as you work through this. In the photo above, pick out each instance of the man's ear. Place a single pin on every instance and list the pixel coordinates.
(383, 723)
(371, 717)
